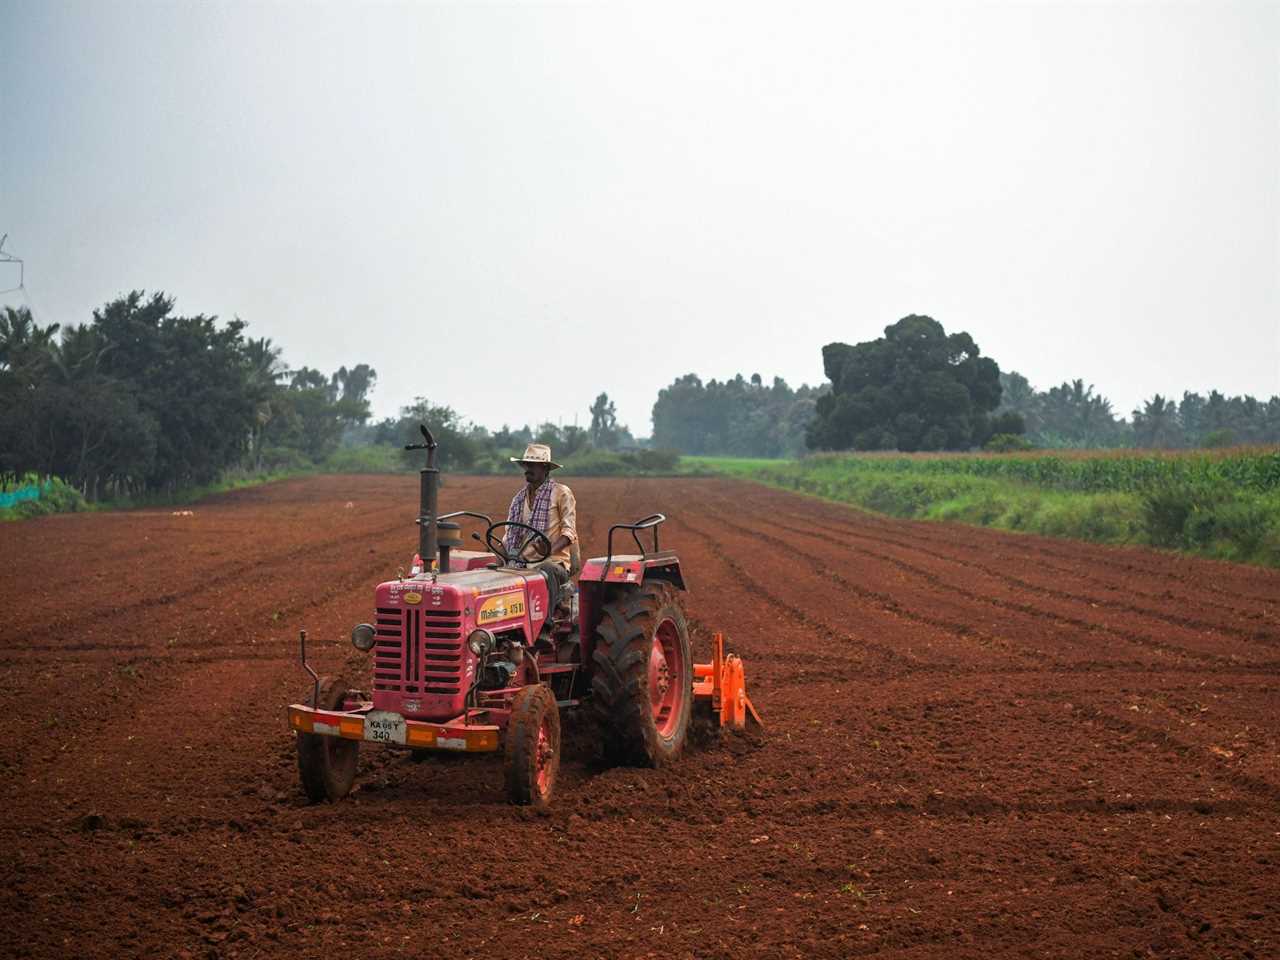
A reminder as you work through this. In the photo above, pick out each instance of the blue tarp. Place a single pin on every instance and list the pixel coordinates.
(11, 498)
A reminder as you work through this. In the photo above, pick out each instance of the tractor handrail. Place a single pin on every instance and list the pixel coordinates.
(650, 522)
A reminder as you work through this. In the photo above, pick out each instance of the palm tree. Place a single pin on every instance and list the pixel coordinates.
(80, 354)
(1156, 424)
(1016, 392)
(20, 335)
(264, 375)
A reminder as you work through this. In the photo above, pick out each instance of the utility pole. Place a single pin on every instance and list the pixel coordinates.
(6, 257)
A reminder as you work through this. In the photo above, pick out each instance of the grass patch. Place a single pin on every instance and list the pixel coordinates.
(1222, 504)
(375, 458)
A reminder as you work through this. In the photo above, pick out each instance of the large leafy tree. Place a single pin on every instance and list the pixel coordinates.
(915, 388)
(312, 411)
(190, 376)
(457, 450)
(98, 433)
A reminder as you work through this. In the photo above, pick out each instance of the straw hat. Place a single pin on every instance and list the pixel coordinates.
(537, 453)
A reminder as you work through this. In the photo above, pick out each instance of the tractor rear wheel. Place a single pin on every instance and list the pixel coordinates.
(327, 765)
(642, 683)
(533, 746)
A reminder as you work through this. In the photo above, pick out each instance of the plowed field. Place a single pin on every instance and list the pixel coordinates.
(978, 745)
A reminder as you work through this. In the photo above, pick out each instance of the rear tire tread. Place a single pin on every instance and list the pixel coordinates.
(620, 683)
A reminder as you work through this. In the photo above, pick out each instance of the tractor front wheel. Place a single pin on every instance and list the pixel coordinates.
(533, 746)
(642, 682)
(327, 765)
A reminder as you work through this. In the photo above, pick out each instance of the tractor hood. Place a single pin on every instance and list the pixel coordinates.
(422, 666)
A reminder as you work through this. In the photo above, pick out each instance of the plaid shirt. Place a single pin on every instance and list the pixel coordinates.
(554, 512)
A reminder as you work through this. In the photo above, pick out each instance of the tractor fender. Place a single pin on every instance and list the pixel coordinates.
(602, 577)
(633, 568)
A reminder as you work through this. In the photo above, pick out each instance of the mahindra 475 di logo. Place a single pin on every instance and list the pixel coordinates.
(505, 606)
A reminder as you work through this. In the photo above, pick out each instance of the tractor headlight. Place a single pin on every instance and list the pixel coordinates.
(362, 637)
(480, 641)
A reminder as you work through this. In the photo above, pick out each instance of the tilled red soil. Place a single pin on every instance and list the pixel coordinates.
(978, 745)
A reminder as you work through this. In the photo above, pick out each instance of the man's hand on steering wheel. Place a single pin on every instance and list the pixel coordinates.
(537, 539)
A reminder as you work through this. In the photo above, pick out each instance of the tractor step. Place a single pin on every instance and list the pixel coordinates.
(723, 682)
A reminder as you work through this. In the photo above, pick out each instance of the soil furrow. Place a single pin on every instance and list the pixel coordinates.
(1163, 566)
(963, 756)
(977, 599)
(1253, 632)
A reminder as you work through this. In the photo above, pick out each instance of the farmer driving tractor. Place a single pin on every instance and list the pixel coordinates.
(478, 651)
(546, 506)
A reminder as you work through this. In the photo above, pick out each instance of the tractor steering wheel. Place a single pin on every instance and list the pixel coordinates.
(536, 537)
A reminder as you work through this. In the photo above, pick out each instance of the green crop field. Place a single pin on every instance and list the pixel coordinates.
(744, 467)
(1223, 503)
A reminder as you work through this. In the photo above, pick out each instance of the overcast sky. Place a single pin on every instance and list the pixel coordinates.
(511, 208)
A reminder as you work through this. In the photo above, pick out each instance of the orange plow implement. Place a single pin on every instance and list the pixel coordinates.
(724, 683)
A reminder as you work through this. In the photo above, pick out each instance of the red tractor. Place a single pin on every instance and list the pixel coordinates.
(477, 651)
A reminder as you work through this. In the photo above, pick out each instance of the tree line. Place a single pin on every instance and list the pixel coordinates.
(142, 400)
(739, 417)
(915, 388)
(469, 447)
(919, 388)
(1074, 415)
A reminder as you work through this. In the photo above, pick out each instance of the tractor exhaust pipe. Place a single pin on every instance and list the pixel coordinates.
(428, 499)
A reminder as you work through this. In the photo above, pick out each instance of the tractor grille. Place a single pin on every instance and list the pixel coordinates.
(418, 651)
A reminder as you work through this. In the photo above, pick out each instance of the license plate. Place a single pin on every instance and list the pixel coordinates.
(383, 726)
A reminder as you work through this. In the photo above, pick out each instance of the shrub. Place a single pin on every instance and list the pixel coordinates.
(285, 460)
(56, 496)
(1174, 514)
(1239, 528)
(1008, 443)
